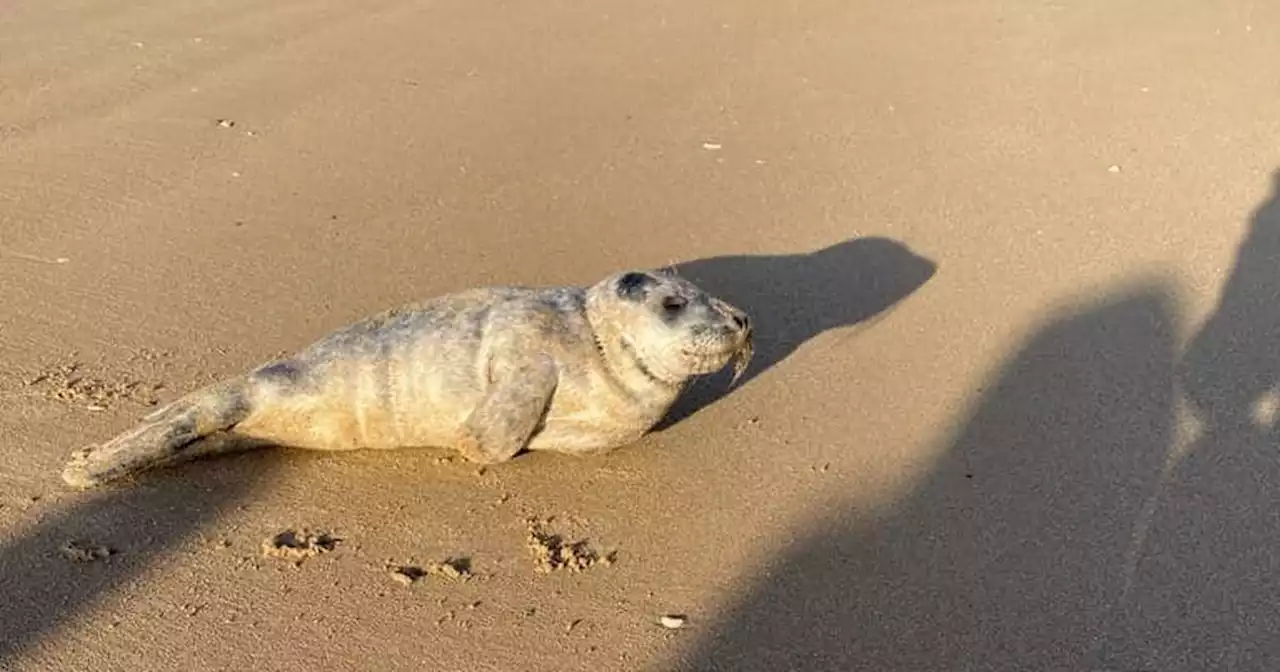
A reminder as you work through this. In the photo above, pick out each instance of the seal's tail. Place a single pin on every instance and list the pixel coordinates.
(164, 437)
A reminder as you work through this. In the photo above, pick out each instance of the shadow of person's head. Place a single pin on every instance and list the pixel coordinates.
(793, 297)
(1232, 364)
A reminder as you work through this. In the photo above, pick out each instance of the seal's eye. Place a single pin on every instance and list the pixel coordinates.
(673, 305)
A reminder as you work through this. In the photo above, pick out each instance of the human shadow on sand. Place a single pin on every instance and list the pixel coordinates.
(43, 589)
(794, 297)
(1071, 523)
(1007, 552)
(1206, 587)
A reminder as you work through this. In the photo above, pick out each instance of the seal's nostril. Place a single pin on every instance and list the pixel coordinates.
(741, 321)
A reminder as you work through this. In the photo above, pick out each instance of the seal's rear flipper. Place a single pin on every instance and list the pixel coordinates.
(164, 437)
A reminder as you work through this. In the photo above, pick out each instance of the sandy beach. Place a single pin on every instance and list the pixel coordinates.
(1012, 266)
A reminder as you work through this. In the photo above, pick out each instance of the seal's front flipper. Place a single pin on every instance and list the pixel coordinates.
(512, 408)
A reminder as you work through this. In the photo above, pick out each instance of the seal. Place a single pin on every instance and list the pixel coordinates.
(488, 372)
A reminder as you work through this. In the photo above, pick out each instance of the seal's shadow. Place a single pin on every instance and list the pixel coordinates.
(793, 297)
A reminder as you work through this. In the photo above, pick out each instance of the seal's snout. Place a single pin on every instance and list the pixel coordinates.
(745, 336)
(741, 321)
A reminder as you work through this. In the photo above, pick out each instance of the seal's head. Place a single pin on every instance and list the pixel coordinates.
(672, 328)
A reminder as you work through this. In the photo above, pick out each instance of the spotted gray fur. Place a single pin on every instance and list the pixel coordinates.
(488, 372)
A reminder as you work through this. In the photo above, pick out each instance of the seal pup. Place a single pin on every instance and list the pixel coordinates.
(487, 372)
